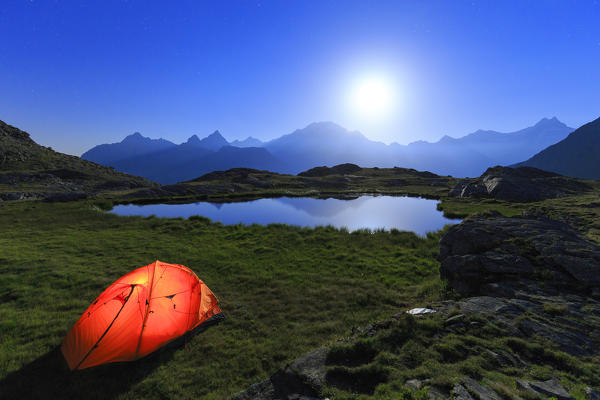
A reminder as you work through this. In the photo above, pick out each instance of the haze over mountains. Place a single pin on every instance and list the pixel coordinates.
(324, 143)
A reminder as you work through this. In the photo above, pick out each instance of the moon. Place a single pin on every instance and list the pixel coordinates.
(372, 97)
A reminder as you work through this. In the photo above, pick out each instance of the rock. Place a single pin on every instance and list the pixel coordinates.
(591, 394)
(505, 359)
(420, 311)
(414, 384)
(480, 391)
(460, 393)
(493, 249)
(303, 379)
(550, 388)
(13, 196)
(523, 184)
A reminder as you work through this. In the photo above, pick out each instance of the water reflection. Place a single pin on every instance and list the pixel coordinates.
(373, 212)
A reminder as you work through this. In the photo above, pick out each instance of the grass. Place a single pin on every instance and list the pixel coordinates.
(285, 290)
(420, 348)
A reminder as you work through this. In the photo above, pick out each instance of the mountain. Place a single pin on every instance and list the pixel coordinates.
(509, 148)
(132, 146)
(135, 146)
(212, 142)
(31, 171)
(191, 159)
(226, 158)
(472, 154)
(578, 155)
(248, 142)
(326, 143)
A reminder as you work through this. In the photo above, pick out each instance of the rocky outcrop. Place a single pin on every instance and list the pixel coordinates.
(303, 379)
(523, 184)
(549, 388)
(496, 254)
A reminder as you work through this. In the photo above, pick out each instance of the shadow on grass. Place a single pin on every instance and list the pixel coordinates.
(49, 377)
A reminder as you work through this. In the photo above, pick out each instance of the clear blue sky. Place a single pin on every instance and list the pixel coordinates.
(79, 73)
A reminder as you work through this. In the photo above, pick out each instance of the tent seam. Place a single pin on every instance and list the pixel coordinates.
(149, 299)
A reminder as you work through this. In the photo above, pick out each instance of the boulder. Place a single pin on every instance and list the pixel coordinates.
(302, 379)
(549, 388)
(480, 391)
(523, 184)
(500, 253)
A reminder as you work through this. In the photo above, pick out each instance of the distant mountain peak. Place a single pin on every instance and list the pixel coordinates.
(550, 121)
(212, 142)
(248, 142)
(447, 139)
(194, 139)
(136, 136)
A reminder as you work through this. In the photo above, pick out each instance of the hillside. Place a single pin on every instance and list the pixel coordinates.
(28, 170)
(578, 155)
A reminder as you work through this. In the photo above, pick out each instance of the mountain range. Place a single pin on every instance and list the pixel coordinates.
(324, 143)
(578, 155)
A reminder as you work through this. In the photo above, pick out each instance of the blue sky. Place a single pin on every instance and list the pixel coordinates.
(79, 73)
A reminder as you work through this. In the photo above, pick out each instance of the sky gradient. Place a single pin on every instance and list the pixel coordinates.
(79, 73)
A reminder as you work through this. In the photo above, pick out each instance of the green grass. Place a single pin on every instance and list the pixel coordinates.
(285, 290)
(420, 348)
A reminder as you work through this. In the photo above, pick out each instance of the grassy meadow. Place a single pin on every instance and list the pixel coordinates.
(284, 290)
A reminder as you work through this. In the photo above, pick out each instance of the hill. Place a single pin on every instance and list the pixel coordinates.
(28, 170)
(578, 155)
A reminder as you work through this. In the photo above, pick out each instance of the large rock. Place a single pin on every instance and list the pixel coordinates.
(497, 254)
(550, 388)
(303, 379)
(523, 184)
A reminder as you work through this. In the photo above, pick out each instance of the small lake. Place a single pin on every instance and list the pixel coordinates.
(373, 212)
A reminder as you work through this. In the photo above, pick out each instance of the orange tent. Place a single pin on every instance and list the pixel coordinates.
(137, 314)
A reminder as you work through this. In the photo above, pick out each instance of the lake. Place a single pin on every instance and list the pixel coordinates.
(373, 212)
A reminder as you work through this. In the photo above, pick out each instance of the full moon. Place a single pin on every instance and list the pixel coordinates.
(372, 97)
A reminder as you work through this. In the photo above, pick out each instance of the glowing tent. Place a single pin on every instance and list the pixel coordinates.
(137, 314)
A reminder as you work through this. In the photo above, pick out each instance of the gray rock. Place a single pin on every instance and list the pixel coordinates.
(303, 379)
(591, 394)
(499, 250)
(550, 388)
(523, 184)
(414, 384)
(505, 359)
(480, 391)
(460, 393)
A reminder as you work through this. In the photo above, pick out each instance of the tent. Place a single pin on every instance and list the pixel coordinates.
(139, 313)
